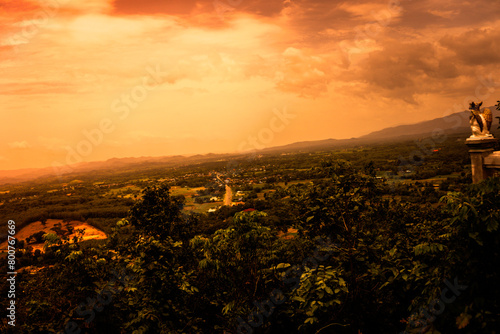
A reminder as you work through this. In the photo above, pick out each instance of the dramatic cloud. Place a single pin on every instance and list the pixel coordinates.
(403, 70)
(475, 47)
(173, 77)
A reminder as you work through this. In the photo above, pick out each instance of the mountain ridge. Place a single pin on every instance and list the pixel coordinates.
(455, 123)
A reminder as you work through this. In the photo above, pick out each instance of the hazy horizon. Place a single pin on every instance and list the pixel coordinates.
(107, 79)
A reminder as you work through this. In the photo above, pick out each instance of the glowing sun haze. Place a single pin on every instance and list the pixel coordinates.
(155, 77)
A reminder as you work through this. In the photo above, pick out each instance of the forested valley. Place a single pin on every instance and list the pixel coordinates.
(336, 241)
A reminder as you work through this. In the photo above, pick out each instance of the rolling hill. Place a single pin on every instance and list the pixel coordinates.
(454, 123)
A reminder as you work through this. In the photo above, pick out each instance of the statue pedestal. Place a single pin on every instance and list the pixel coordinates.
(492, 160)
(480, 148)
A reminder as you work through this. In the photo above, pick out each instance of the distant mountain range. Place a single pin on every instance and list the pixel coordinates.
(110, 165)
(454, 123)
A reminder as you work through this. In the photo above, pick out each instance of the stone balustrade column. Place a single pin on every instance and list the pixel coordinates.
(480, 148)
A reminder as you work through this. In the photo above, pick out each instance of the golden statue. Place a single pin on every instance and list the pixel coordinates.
(480, 121)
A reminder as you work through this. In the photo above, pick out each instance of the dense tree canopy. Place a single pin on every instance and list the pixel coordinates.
(343, 254)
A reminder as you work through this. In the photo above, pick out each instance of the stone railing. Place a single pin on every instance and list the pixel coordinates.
(485, 161)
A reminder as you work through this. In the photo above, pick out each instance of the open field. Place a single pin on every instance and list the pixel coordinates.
(203, 208)
(50, 226)
(185, 191)
(128, 191)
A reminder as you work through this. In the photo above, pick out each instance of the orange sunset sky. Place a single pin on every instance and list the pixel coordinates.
(122, 78)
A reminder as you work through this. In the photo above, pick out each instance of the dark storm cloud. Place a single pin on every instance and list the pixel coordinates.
(475, 47)
(401, 64)
(447, 13)
(402, 70)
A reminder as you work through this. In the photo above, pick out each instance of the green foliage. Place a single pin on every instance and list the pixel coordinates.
(236, 257)
(498, 108)
(319, 295)
(157, 214)
(389, 254)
